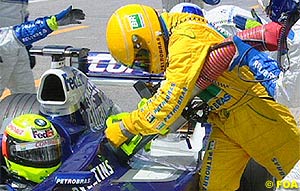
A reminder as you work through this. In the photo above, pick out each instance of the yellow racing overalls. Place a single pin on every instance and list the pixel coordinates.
(246, 122)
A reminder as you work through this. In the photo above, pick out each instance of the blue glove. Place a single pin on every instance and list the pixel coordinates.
(242, 50)
(63, 13)
(240, 22)
(70, 16)
(244, 23)
(264, 68)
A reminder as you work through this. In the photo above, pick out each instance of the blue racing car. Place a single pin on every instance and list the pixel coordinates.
(69, 98)
(78, 110)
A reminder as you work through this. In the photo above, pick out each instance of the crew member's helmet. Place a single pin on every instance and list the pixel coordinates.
(31, 147)
(135, 38)
(187, 8)
(275, 9)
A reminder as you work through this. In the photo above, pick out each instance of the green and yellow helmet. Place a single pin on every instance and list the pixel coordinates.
(31, 147)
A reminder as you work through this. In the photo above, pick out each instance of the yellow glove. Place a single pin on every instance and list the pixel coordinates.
(251, 24)
(115, 131)
(142, 103)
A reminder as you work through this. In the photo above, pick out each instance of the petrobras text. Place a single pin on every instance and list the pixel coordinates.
(73, 181)
(101, 172)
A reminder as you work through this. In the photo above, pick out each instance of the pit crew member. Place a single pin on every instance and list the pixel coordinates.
(243, 116)
(15, 72)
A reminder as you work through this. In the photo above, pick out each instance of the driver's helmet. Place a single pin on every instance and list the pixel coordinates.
(275, 9)
(31, 147)
(135, 38)
(187, 8)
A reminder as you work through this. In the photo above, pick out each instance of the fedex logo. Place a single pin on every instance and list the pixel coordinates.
(72, 82)
(42, 134)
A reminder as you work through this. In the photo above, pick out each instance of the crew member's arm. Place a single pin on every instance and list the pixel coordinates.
(162, 109)
(32, 31)
(264, 68)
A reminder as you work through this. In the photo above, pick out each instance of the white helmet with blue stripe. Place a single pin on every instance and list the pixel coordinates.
(187, 8)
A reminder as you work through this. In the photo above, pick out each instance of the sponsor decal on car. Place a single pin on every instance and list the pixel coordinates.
(73, 181)
(101, 172)
(102, 64)
(96, 107)
(73, 82)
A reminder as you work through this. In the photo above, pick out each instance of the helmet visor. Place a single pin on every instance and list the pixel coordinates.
(45, 153)
(142, 55)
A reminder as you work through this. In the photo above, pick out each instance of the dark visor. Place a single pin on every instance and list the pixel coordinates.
(43, 154)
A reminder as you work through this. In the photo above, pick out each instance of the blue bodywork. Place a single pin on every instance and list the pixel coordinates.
(101, 66)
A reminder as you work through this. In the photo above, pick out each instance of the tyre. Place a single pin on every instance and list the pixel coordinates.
(17, 104)
(255, 177)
